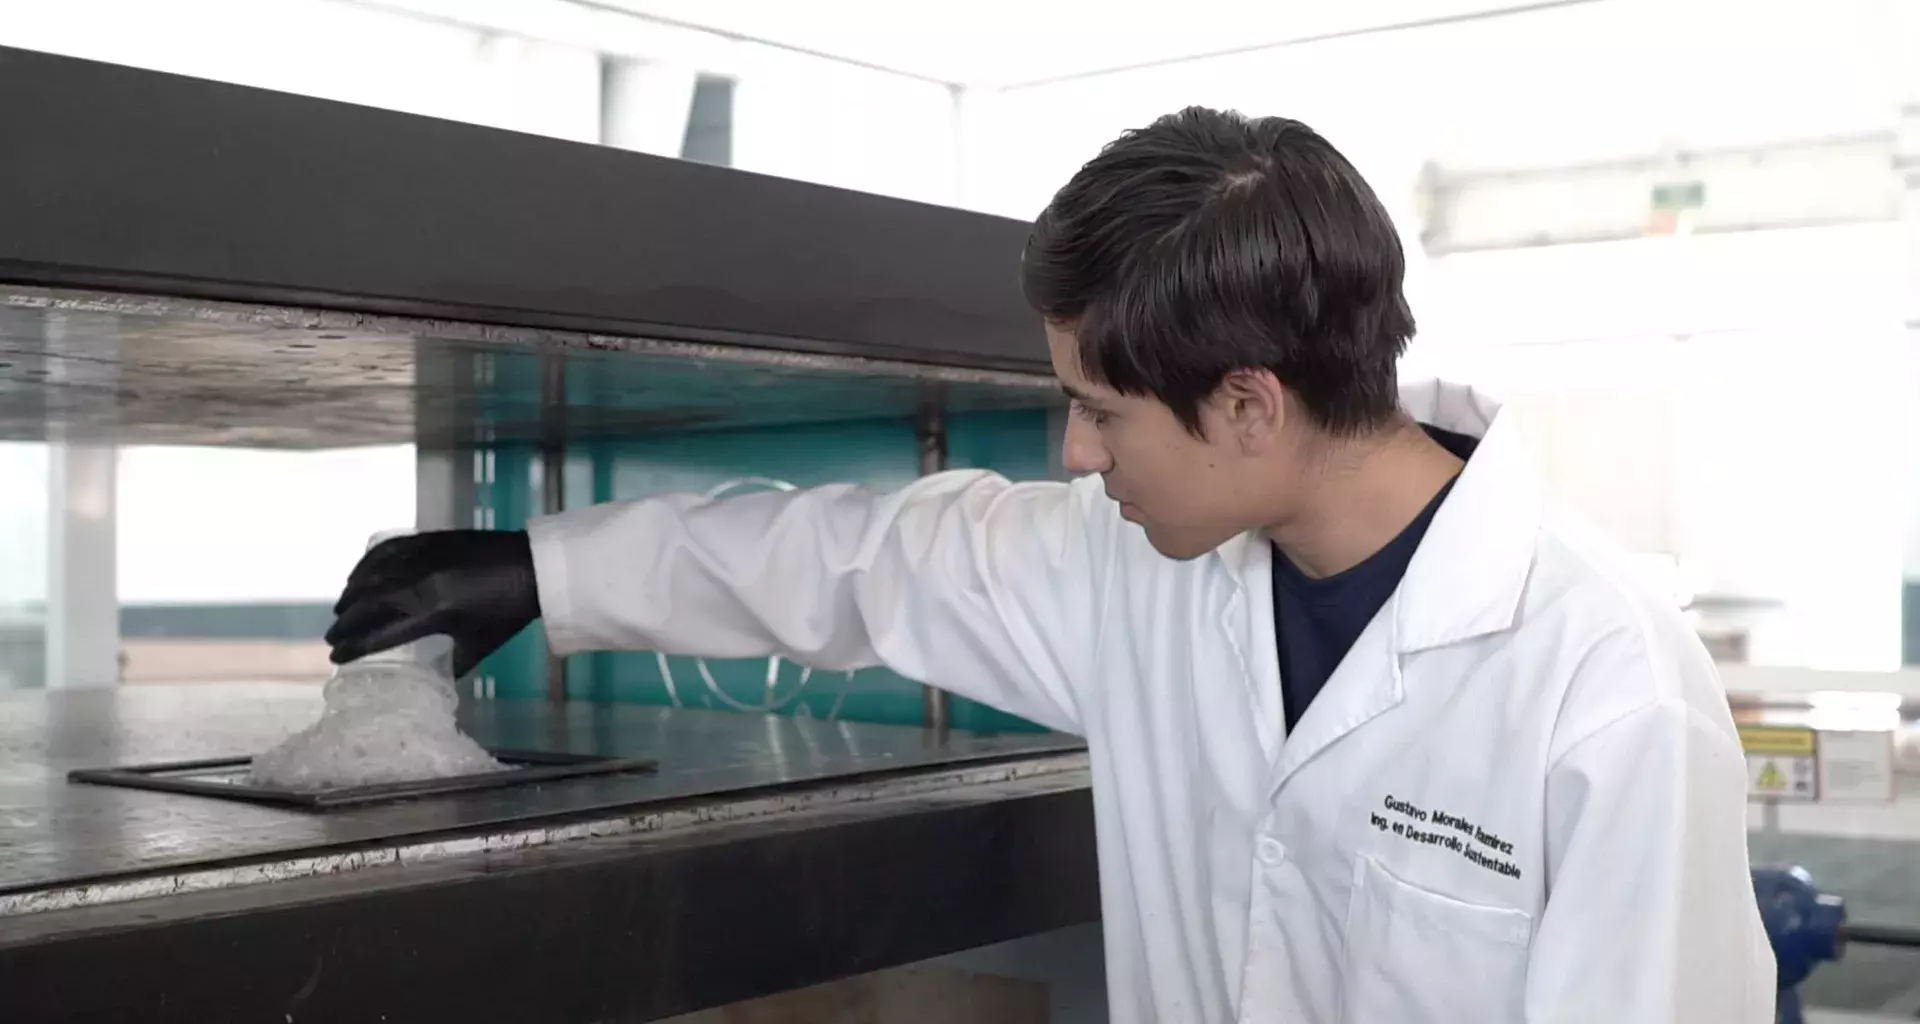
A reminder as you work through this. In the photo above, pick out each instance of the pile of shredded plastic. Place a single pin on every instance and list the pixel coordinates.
(385, 721)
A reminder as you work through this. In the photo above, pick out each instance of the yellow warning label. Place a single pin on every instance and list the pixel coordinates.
(1775, 777)
(1777, 739)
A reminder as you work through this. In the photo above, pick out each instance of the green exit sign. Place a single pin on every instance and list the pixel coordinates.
(1680, 195)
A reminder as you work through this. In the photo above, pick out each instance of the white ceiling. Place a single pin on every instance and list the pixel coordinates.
(1001, 42)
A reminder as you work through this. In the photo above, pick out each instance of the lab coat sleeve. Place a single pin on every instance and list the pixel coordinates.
(962, 580)
(1650, 913)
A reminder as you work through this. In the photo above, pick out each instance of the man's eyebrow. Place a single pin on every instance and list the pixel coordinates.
(1074, 393)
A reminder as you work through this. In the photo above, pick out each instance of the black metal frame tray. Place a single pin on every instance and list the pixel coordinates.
(192, 777)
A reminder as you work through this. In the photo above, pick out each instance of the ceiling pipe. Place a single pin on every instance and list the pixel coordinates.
(1437, 21)
(616, 7)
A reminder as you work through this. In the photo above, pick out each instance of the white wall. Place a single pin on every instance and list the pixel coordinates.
(1542, 89)
(1740, 402)
(795, 116)
(233, 525)
(332, 50)
(23, 525)
(1768, 452)
(845, 126)
(1025, 143)
(1599, 80)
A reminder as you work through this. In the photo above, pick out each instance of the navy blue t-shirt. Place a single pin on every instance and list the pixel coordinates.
(1316, 621)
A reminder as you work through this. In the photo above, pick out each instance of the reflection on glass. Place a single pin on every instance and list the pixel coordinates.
(230, 559)
(23, 564)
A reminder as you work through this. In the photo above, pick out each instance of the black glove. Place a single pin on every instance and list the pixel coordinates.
(475, 586)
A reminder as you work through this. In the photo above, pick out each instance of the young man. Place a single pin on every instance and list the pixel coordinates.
(1375, 737)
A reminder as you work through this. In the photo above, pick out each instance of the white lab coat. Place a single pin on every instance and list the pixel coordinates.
(1519, 798)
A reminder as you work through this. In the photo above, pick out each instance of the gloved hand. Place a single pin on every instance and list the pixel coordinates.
(475, 586)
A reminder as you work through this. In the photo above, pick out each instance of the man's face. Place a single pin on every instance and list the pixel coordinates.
(1190, 494)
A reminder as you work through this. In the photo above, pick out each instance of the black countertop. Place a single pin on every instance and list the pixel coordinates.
(57, 833)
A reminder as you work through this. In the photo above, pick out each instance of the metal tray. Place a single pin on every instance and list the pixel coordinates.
(225, 778)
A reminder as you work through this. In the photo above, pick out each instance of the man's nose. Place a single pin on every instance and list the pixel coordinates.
(1081, 451)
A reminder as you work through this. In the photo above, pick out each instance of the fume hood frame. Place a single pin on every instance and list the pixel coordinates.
(122, 179)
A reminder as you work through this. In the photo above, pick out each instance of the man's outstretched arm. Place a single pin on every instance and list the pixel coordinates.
(963, 580)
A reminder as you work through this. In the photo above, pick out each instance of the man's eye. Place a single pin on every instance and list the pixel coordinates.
(1091, 415)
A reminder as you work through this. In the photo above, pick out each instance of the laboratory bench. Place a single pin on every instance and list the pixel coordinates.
(763, 854)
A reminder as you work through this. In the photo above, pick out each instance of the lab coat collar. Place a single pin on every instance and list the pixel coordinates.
(1466, 578)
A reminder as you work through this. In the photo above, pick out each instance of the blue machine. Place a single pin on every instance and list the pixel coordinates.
(1804, 926)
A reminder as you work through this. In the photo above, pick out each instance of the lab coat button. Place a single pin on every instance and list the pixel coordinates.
(1270, 851)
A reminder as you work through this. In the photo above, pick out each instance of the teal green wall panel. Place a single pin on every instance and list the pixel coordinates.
(508, 492)
(1017, 445)
(882, 454)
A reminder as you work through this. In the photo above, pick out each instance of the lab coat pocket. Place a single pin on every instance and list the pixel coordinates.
(1417, 957)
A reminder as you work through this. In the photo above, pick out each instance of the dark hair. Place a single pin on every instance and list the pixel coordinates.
(1209, 242)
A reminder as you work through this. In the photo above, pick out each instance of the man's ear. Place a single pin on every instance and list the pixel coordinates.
(1253, 406)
